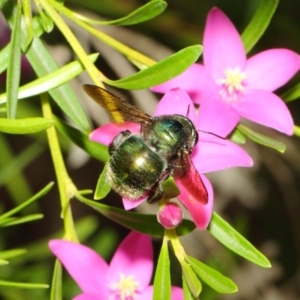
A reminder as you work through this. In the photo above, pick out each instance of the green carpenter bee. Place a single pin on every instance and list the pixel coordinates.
(140, 163)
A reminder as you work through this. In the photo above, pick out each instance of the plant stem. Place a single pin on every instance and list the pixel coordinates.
(74, 43)
(129, 52)
(65, 185)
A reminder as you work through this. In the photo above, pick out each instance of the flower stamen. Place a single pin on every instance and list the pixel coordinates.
(125, 289)
(232, 86)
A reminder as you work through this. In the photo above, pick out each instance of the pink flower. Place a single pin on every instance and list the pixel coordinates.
(228, 86)
(170, 215)
(210, 154)
(127, 276)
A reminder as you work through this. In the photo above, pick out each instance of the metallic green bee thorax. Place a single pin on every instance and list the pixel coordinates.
(169, 134)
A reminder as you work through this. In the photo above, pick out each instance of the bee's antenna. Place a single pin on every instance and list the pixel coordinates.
(221, 137)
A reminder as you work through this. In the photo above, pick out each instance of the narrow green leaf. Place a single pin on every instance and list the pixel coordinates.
(237, 137)
(3, 262)
(56, 286)
(24, 126)
(144, 13)
(5, 52)
(21, 220)
(162, 279)
(12, 253)
(103, 187)
(12, 167)
(292, 94)
(82, 140)
(143, 223)
(297, 131)
(4, 57)
(213, 278)
(231, 239)
(46, 21)
(43, 64)
(191, 279)
(162, 71)
(259, 23)
(14, 66)
(52, 80)
(187, 294)
(261, 139)
(24, 285)
(35, 197)
(28, 22)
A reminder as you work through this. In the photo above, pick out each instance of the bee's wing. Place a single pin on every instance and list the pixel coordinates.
(119, 110)
(192, 180)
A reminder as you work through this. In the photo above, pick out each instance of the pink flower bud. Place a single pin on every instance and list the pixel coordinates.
(170, 215)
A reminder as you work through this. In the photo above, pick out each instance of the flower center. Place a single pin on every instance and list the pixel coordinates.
(232, 86)
(125, 289)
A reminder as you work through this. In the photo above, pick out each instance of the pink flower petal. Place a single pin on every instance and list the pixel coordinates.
(89, 297)
(223, 47)
(213, 153)
(147, 294)
(129, 204)
(216, 116)
(200, 213)
(267, 109)
(196, 81)
(106, 133)
(271, 69)
(176, 101)
(134, 256)
(85, 266)
(177, 293)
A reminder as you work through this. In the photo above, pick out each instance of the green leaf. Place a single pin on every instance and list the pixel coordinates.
(46, 21)
(14, 65)
(143, 223)
(261, 139)
(162, 279)
(237, 137)
(24, 285)
(162, 71)
(191, 279)
(187, 294)
(56, 286)
(231, 239)
(21, 220)
(103, 187)
(24, 126)
(51, 81)
(3, 262)
(212, 277)
(5, 52)
(82, 140)
(259, 23)
(144, 13)
(35, 197)
(4, 57)
(28, 22)
(297, 131)
(292, 94)
(43, 64)
(11, 167)
(12, 253)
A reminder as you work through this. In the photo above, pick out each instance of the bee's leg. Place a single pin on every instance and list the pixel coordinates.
(156, 192)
